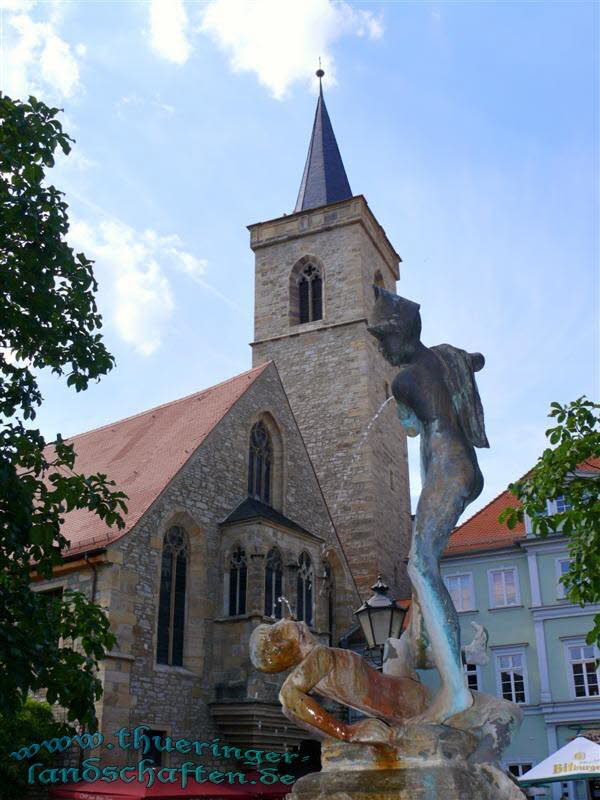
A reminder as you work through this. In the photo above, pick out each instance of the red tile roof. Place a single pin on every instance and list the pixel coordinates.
(484, 532)
(143, 453)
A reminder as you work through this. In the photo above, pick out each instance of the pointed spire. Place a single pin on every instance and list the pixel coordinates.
(324, 180)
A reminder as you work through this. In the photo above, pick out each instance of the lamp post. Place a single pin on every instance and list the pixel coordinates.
(380, 617)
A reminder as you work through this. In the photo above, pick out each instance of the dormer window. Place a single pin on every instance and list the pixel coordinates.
(260, 459)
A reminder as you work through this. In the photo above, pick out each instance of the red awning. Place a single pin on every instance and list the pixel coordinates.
(120, 790)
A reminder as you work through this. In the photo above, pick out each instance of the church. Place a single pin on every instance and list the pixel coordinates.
(273, 484)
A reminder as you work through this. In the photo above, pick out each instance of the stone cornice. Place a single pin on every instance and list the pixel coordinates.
(561, 611)
(309, 328)
(316, 220)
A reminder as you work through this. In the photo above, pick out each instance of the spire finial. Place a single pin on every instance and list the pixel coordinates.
(324, 180)
(319, 73)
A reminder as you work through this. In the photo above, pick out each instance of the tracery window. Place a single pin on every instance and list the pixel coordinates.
(273, 584)
(171, 603)
(259, 463)
(238, 571)
(310, 294)
(304, 589)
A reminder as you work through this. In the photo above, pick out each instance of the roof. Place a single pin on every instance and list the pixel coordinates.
(143, 453)
(580, 758)
(324, 180)
(484, 532)
(250, 508)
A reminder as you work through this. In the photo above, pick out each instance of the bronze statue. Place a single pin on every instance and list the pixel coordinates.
(437, 399)
(340, 675)
(411, 747)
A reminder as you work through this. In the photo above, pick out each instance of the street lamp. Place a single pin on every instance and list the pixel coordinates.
(380, 617)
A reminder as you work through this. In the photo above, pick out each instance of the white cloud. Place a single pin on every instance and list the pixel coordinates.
(131, 101)
(281, 42)
(168, 24)
(132, 269)
(35, 59)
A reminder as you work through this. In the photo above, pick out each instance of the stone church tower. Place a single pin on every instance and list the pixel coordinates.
(313, 293)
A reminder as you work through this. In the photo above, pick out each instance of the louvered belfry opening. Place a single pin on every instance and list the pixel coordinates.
(310, 294)
(171, 604)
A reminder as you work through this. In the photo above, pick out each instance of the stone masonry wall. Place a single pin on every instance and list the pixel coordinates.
(336, 380)
(176, 699)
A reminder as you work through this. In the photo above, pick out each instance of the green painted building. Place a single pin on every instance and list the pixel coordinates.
(509, 581)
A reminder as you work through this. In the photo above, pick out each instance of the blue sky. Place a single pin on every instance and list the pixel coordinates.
(471, 128)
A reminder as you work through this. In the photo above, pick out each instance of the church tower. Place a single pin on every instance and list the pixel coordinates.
(314, 273)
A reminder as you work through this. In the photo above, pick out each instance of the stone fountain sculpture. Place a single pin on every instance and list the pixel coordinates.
(411, 746)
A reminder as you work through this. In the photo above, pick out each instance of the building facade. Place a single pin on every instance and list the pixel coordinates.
(509, 581)
(277, 483)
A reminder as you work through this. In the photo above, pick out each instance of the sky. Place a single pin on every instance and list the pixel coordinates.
(470, 127)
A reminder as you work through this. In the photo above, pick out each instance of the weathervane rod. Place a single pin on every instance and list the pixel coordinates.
(319, 73)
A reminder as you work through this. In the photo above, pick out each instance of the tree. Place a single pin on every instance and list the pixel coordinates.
(48, 319)
(569, 469)
(32, 723)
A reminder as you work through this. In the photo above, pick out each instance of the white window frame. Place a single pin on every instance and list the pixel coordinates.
(511, 651)
(477, 669)
(578, 642)
(517, 587)
(555, 504)
(530, 763)
(560, 587)
(469, 575)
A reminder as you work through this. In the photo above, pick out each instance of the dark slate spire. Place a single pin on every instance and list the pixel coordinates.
(324, 180)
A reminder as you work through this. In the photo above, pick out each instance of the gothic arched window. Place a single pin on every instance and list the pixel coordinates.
(238, 571)
(171, 603)
(273, 584)
(259, 463)
(304, 589)
(310, 294)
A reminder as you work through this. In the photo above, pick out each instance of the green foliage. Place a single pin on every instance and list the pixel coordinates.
(567, 469)
(33, 722)
(48, 319)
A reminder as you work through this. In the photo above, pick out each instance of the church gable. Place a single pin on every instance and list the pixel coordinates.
(224, 580)
(144, 452)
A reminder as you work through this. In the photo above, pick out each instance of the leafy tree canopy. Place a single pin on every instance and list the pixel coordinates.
(32, 723)
(569, 469)
(48, 319)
